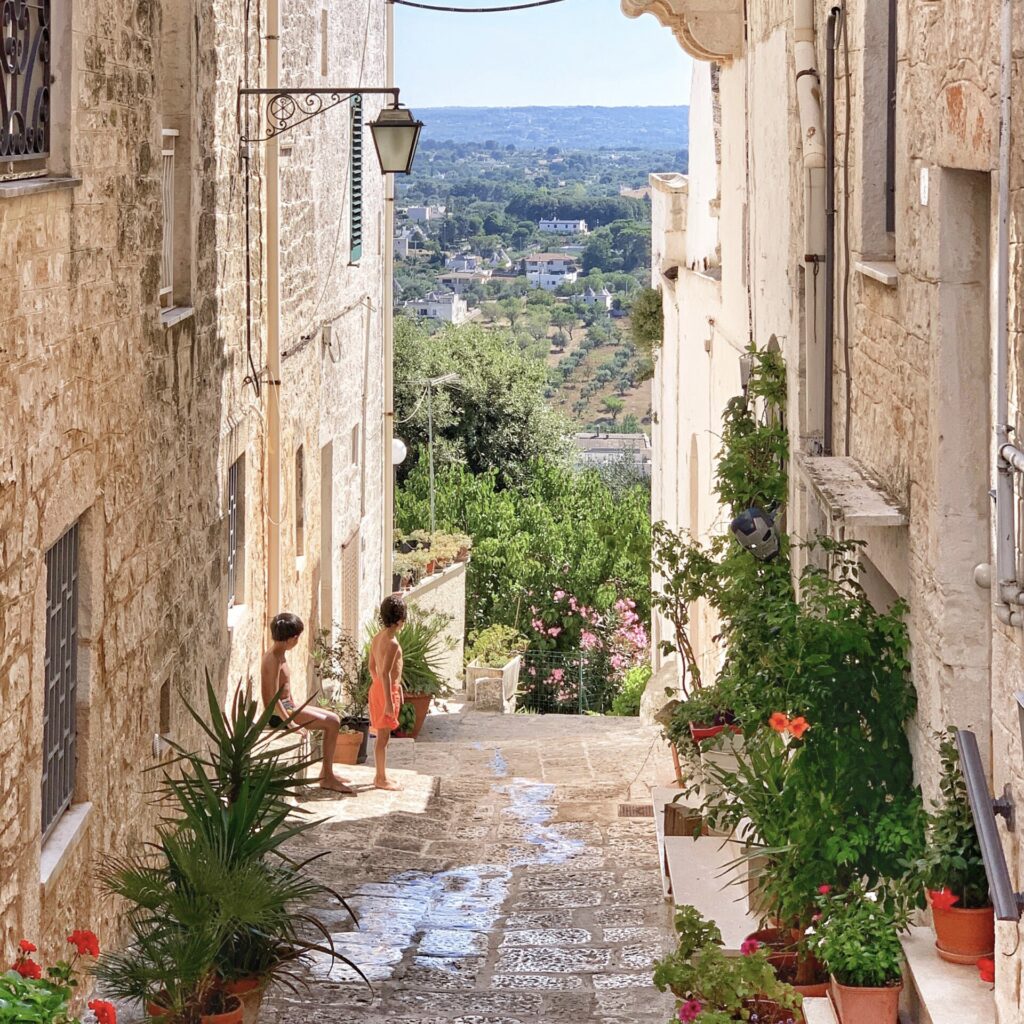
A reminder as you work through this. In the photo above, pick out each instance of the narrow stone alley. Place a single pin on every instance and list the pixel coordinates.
(501, 885)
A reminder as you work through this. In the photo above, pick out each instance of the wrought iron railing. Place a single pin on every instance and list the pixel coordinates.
(167, 253)
(24, 80)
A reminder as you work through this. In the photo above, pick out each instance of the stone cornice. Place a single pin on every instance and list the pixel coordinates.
(706, 29)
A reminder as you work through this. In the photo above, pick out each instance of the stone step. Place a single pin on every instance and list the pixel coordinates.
(937, 992)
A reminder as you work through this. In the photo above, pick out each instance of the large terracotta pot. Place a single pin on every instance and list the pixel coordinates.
(779, 940)
(230, 1016)
(250, 993)
(421, 704)
(856, 1005)
(769, 1012)
(962, 936)
(346, 750)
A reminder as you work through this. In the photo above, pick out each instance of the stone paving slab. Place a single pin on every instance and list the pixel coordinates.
(499, 886)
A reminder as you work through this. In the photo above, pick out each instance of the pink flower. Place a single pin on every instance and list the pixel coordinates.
(554, 630)
(824, 889)
(559, 595)
(749, 946)
(537, 625)
(588, 640)
(558, 674)
(690, 1010)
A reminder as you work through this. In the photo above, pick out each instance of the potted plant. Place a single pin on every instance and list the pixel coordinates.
(495, 652)
(464, 544)
(405, 568)
(30, 995)
(344, 691)
(858, 940)
(215, 906)
(953, 871)
(712, 987)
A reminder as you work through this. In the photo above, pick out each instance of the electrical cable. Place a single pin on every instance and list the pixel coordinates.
(475, 10)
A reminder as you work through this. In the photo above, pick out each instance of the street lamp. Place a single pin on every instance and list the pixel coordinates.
(398, 451)
(396, 132)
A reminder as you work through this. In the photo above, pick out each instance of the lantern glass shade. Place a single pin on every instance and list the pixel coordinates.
(396, 134)
(398, 451)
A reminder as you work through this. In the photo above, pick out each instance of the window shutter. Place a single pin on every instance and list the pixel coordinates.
(356, 182)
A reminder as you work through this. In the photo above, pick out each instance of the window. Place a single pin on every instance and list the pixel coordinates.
(356, 182)
(25, 40)
(300, 502)
(890, 125)
(169, 136)
(236, 532)
(165, 708)
(350, 585)
(327, 536)
(355, 445)
(61, 677)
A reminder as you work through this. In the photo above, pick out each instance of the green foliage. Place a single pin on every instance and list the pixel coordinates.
(406, 718)
(495, 646)
(952, 858)
(216, 896)
(494, 418)
(858, 936)
(336, 660)
(557, 529)
(647, 320)
(627, 701)
(33, 1001)
(699, 969)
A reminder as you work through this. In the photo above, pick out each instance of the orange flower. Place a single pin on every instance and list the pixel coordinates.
(779, 722)
(798, 726)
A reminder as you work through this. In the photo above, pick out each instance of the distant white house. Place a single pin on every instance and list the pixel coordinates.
(459, 281)
(421, 214)
(500, 258)
(445, 306)
(564, 227)
(549, 270)
(602, 449)
(603, 298)
(463, 261)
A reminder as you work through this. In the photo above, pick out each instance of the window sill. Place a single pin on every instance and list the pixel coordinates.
(175, 315)
(62, 842)
(884, 272)
(300, 563)
(236, 615)
(30, 186)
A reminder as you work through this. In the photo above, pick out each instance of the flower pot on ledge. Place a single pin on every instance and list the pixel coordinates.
(962, 936)
(856, 1005)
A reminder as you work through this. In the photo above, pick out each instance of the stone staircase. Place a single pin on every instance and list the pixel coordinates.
(701, 872)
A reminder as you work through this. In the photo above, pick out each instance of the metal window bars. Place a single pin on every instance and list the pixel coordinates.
(24, 84)
(61, 678)
(169, 136)
(236, 528)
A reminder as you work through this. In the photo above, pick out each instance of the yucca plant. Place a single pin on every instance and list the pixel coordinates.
(217, 897)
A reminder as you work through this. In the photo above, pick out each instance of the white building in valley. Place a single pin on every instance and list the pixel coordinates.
(564, 227)
(444, 306)
(602, 299)
(549, 270)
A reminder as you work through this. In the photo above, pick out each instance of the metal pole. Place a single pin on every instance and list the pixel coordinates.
(430, 449)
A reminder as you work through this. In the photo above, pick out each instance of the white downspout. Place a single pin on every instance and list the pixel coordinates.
(273, 327)
(388, 322)
(812, 137)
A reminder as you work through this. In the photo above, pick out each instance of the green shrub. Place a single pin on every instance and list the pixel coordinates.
(627, 701)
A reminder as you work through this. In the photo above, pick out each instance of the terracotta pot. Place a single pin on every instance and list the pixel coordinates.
(346, 750)
(855, 1005)
(769, 1012)
(231, 1016)
(779, 940)
(463, 555)
(430, 568)
(421, 704)
(250, 993)
(962, 936)
(706, 732)
(786, 967)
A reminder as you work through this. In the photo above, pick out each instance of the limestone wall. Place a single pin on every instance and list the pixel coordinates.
(445, 593)
(113, 420)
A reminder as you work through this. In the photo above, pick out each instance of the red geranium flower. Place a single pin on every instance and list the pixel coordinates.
(749, 946)
(798, 726)
(943, 899)
(26, 947)
(85, 942)
(987, 969)
(824, 889)
(779, 722)
(106, 1013)
(27, 968)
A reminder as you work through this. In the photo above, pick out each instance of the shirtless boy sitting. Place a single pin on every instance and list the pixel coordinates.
(275, 682)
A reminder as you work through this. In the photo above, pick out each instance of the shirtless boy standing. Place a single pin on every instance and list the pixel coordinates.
(386, 695)
(275, 683)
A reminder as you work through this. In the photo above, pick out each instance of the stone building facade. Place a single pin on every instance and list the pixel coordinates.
(134, 449)
(897, 445)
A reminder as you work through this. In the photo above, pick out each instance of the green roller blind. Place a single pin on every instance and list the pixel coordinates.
(356, 182)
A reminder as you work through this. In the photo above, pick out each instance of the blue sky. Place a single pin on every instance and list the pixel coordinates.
(580, 52)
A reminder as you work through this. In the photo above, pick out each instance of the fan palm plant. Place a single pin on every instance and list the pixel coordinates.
(218, 897)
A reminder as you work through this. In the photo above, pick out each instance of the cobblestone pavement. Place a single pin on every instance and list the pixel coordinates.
(500, 886)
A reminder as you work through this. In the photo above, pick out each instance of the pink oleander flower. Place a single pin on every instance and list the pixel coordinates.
(559, 596)
(588, 640)
(558, 674)
(554, 630)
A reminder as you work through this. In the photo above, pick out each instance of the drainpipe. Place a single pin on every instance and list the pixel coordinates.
(388, 323)
(830, 217)
(273, 327)
(812, 136)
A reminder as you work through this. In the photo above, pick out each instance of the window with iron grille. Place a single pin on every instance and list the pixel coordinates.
(890, 124)
(61, 674)
(300, 501)
(236, 532)
(356, 182)
(25, 46)
(169, 136)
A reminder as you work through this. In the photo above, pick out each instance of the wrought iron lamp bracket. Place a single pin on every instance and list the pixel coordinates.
(284, 109)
